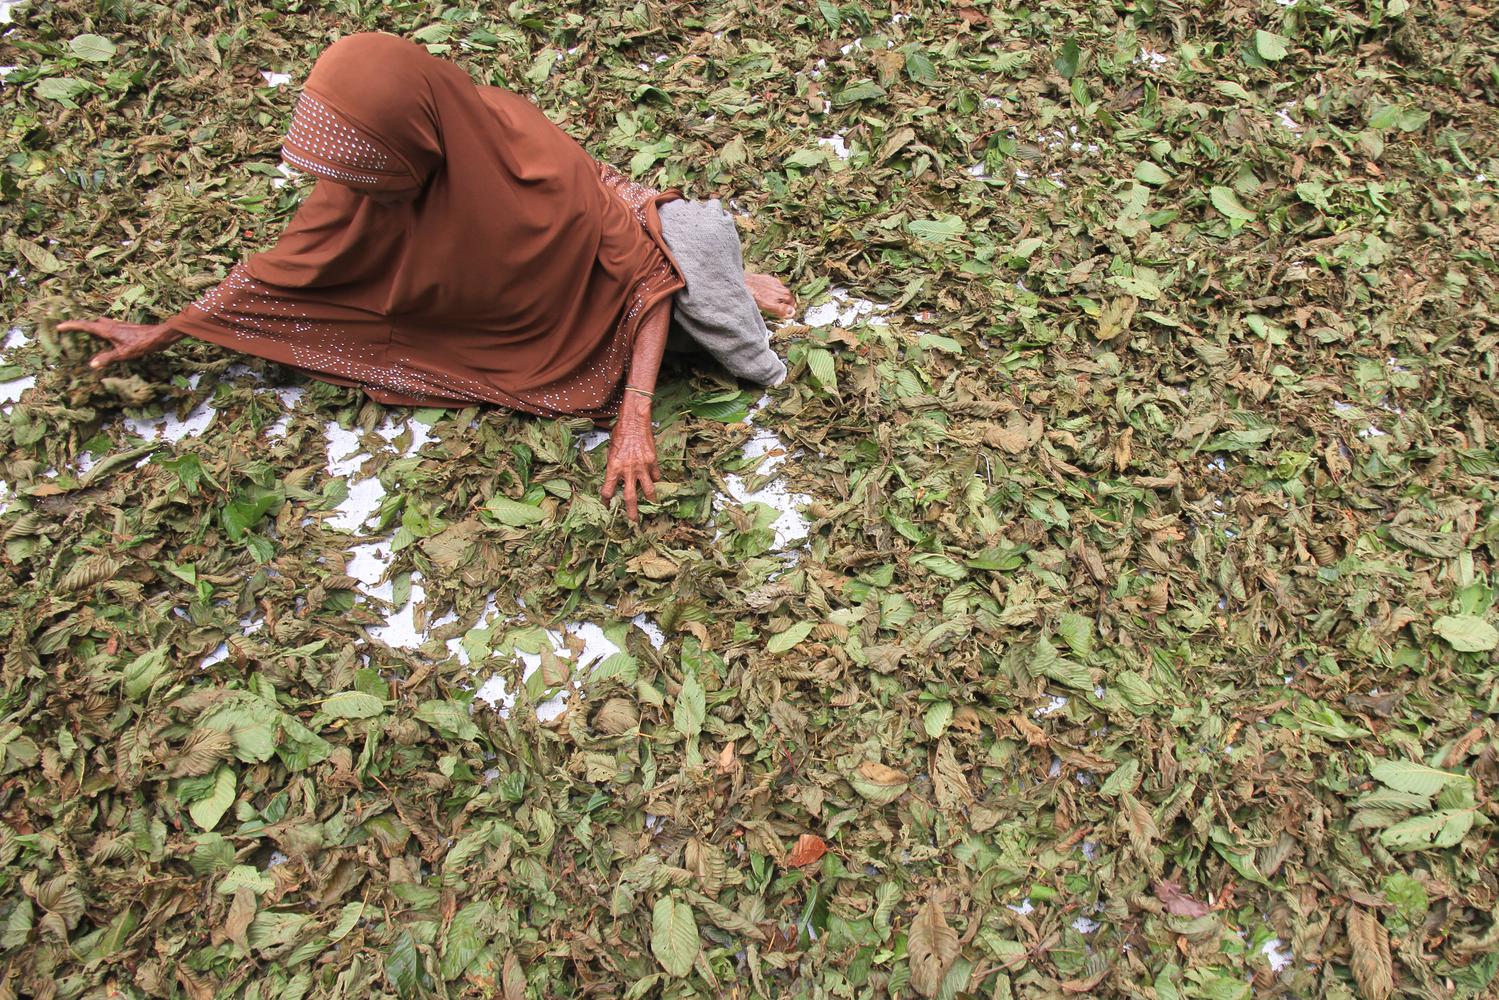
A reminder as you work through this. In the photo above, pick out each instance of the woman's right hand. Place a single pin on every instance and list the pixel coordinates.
(129, 340)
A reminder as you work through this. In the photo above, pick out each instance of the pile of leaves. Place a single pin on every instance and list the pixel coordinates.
(1141, 644)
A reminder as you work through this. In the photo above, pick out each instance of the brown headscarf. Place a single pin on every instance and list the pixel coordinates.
(457, 248)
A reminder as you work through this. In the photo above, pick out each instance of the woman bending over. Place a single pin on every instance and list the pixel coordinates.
(460, 248)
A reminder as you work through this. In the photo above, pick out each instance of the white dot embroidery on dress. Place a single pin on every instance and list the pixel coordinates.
(319, 131)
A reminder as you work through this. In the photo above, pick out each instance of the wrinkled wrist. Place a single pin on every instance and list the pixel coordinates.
(635, 408)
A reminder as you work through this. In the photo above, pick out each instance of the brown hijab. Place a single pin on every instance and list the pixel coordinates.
(458, 247)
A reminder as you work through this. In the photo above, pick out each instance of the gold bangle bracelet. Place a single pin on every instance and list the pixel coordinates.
(643, 392)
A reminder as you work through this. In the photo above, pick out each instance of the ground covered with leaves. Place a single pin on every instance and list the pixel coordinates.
(1130, 632)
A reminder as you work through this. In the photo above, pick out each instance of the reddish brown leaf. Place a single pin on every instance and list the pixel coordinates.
(809, 850)
(1178, 903)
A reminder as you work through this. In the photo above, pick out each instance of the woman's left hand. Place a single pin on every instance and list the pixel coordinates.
(632, 455)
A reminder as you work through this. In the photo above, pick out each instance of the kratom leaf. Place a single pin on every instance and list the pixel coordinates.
(92, 48)
(1443, 828)
(1467, 633)
(1225, 201)
(143, 671)
(1270, 46)
(402, 964)
(207, 811)
(513, 513)
(466, 936)
(820, 362)
(1067, 62)
(1147, 172)
(1419, 779)
(674, 937)
(932, 945)
(688, 716)
(1373, 968)
(450, 718)
(1134, 476)
(353, 705)
(784, 641)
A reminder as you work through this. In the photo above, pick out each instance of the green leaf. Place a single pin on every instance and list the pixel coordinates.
(1440, 829)
(674, 938)
(141, 672)
(919, 65)
(18, 925)
(353, 705)
(347, 918)
(786, 640)
(245, 877)
(830, 14)
(239, 516)
(92, 48)
(274, 928)
(938, 230)
(1270, 46)
(402, 965)
(115, 935)
(513, 513)
(1141, 285)
(541, 66)
(1405, 776)
(820, 363)
(937, 718)
(1027, 247)
(60, 88)
(207, 812)
(467, 935)
(1147, 172)
(724, 407)
(1069, 59)
(865, 90)
(1048, 662)
(1466, 633)
(1077, 631)
(807, 159)
(937, 342)
(1124, 779)
(211, 854)
(1225, 201)
(690, 709)
(449, 718)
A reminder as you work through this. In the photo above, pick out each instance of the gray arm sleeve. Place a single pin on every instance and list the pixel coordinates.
(715, 309)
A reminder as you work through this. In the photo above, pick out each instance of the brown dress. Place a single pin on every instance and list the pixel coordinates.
(458, 247)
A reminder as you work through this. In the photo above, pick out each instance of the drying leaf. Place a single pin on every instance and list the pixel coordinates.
(1369, 942)
(878, 783)
(1177, 902)
(674, 937)
(931, 945)
(809, 850)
